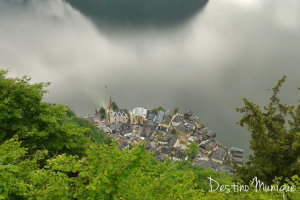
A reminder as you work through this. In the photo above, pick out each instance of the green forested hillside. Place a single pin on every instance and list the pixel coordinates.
(46, 152)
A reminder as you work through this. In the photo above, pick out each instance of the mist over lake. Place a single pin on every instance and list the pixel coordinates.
(207, 62)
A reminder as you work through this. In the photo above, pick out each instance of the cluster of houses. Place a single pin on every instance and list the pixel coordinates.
(167, 134)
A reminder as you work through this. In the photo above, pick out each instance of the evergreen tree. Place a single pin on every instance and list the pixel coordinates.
(115, 107)
(275, 139)
(175, 110)
(102, 112)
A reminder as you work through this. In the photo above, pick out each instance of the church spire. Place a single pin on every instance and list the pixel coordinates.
(110, 104)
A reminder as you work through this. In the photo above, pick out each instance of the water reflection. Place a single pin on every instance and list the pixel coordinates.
(228, 51)
(139, 12)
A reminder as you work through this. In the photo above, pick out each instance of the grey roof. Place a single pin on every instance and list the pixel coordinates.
(238, 160)
(183, 128)
(196, 119)
(165, 149)
(157, 154)
(105, 129)
(161, 128)
(171, 139)
(211, 134)
(151, 116)
(203, 130)
(149, 123)
(238, 154)
(234, 149)
(198, 140)
(188, 114)
(125, 127)
(115, 127)
(148, 130)
(210, 145)
(148, 146)
(225, 168)
(120, 113)
(159, 117)
(219, 154)
(122, 144)
(115, 135)
(178, 153)
(207, 164)
(177, 119)
(189, 125)
(152, 144)
(167, 118)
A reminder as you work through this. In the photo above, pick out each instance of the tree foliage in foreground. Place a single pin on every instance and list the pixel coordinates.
(105, 172)
(275, 139)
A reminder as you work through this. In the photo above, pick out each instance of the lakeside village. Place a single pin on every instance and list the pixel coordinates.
(168, 134)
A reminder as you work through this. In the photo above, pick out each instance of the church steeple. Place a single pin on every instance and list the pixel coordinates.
(110, 104)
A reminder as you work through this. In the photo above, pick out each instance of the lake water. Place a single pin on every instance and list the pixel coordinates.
(206, 60)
